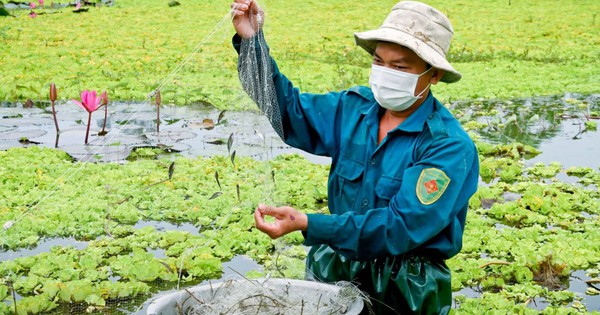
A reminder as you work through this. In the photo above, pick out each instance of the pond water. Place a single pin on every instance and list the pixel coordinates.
(554, 125)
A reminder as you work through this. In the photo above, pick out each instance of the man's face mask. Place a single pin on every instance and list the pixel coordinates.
(395, 89)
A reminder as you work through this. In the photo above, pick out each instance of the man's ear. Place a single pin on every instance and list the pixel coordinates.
(436, 76)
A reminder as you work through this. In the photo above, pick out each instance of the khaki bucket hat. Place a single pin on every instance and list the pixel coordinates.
(419, 27)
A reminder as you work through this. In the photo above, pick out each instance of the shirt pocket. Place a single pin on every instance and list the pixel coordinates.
(349, 174)
(386, 189)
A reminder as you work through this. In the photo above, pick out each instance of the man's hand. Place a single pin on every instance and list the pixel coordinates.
(287, 219)
(247, 17)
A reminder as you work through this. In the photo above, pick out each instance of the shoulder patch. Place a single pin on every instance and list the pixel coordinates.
(431, 185)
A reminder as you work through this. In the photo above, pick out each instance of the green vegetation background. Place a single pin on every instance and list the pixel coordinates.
(514, 253)
(503, 48)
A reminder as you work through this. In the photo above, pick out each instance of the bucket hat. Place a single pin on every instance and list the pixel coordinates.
(419, 27)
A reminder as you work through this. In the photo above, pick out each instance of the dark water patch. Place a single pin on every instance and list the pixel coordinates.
(553, 125)
(237, 267)
(42, 247)
(500, 226)
(468, 292)
(157, 252)
(577, 284)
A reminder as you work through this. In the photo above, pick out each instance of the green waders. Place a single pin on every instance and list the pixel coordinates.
(404, 284)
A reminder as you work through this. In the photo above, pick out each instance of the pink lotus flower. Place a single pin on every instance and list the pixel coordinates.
(89, 100)
(32, 5)
(78, 6)
(32, 15)
(41, 2)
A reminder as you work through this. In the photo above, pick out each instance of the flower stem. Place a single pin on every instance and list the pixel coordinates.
(54, 115)
(87, 132)
(157, 117)
(105, 117)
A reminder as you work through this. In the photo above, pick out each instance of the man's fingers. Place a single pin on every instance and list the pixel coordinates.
(271, 229)
(253, 7)
(266, 209)
(259, 217)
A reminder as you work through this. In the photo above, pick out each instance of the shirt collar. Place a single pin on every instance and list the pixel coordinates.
(416, 121)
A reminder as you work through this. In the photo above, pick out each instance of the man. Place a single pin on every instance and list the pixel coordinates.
(402, 171)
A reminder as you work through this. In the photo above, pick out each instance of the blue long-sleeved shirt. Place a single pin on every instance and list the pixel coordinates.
(408, 194)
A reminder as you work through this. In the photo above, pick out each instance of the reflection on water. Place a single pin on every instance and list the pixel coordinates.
(554, 125)
(531, 120)
(42, 247)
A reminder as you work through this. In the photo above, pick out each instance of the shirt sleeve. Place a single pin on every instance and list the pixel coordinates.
(411, 219)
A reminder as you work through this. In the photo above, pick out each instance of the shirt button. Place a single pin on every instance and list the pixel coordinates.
(365, 202)
(431, 116)
(373, 161)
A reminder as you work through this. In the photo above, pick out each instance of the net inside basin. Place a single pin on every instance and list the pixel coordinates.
(261, 296)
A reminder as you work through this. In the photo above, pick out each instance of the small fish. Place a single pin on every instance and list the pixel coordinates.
(233, 158)
(221, 115)
(215, 195)
(229, 143)
(171, 169)
(217, 178)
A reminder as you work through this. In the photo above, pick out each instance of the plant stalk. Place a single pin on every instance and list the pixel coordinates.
(157, 100)
(55, 120)
(103, 132)
(87, 132)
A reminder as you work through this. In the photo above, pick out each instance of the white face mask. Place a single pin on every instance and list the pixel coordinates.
(394, 89)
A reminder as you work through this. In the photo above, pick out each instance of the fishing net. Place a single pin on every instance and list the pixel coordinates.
(256, 76)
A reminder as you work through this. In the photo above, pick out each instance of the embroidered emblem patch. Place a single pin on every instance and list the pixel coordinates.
(431, 185)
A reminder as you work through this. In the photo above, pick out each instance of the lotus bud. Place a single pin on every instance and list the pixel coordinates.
(52, 92)
(104, 98)
(157, 98)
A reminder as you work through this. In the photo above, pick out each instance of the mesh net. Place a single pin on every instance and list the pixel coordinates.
(263, 296)
(256, 76)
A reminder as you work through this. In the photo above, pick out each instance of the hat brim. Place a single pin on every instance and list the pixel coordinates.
(368, 41)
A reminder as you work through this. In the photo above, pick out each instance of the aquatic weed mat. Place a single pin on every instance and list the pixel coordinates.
(502, 48)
